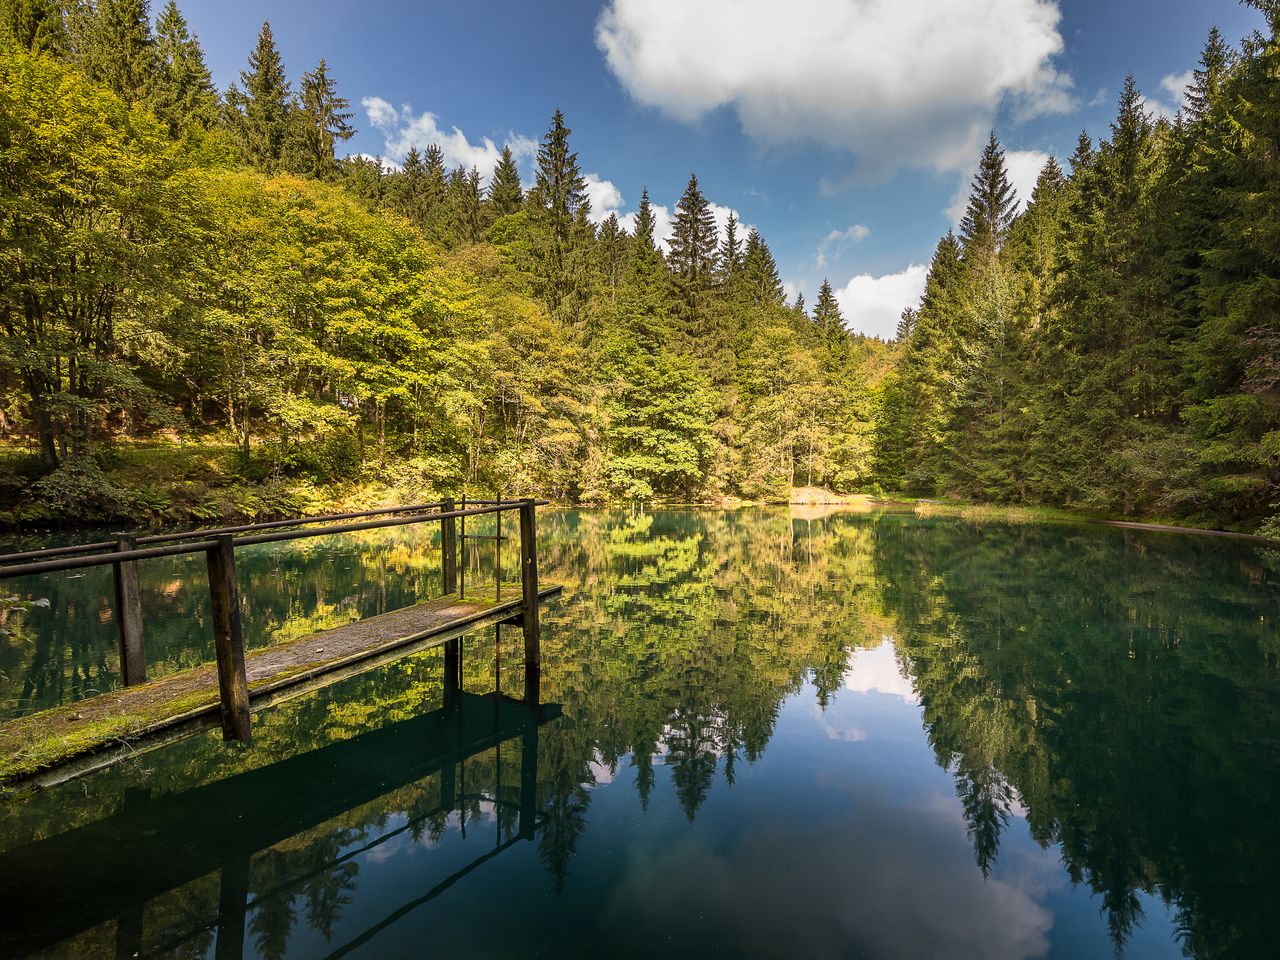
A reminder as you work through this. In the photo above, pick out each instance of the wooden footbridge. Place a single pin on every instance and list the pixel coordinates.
(234, 684)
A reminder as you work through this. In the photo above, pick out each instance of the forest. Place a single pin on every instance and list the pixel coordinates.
(210, 311)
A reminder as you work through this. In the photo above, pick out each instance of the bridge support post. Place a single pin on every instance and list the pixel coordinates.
(228, 641)
(133, 660)
(529, 586)
(449, 548)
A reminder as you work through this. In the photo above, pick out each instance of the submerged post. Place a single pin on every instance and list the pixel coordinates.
(449, 548)
(529, 585)
(133, 660)
(228, 641)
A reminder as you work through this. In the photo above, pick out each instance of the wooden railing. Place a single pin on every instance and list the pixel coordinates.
(219, 544)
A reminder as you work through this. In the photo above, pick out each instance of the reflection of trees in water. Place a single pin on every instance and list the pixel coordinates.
(1123, 688)
(288, 590)
(1119, 689)
(684, 631)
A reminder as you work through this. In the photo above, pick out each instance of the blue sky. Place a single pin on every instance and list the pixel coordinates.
(844, 130)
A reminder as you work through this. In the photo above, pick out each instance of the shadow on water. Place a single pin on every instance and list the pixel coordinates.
(777, 736)
(450, 760)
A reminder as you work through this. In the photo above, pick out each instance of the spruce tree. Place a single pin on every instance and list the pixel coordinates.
(991, 208)
(111, 42)
(183, 93)
(506, 196)
(321, 119)
(693, 238)
(730, 256)
(465, 202)
(762, 282)
(34, 25)
(557, 200)
(826, 315)
(262, 113)
(1208, 77)
(612, 248)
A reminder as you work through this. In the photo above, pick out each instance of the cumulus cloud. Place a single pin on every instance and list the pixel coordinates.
(1174, 87)
(835, 241)
(877, 670)
(899, 83)
(605, 198)
(872, 305)
(1023, 169)
(401, 129)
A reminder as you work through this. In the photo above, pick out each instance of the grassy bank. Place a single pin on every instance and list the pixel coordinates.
(206, 482)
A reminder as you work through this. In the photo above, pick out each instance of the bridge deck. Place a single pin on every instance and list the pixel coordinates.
(91, 733)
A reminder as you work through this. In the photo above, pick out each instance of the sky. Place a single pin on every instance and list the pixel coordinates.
(846, 131)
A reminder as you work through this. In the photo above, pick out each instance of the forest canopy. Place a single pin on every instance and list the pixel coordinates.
(180, 264)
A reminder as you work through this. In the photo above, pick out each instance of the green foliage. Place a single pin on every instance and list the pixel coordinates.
(1114, 346)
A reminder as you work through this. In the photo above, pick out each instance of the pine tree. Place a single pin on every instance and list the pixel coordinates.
(730, 256)
(612, 248)
(111, 42)
(906, 325)
(918, 402)
(991, 208)
(34, 25)
(693, 238)
(321, 119)
(826, 315)
(558, 199)
(506, 196)
(262, 113)
(762, 282)
(465, 200)
(1206, 83)
(1235, 354)
(183, 93)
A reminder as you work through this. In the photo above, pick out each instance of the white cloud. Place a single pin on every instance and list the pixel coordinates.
(837, 240)
(1174, 86)
(401, 129)
(1023, 169)
(872, 305)
(877, 671)
(604, 196)
(900, 83)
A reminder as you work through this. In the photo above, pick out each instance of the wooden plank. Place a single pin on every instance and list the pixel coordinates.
(276, 674)
(128, 609)
(228, 641)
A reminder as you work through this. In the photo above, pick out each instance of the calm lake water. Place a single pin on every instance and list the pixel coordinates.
(758, 734)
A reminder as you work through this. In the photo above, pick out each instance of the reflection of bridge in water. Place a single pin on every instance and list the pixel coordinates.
(111, 869)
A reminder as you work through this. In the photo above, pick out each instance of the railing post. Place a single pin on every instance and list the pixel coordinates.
(497, 553)
(449, 548)
(133, 659)
(228, 641)
(529, 585)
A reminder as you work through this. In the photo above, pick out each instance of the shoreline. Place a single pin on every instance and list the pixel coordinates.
(822, 502)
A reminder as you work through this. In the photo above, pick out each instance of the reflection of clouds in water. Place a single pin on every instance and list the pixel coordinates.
(879, 881)
(602, 773)
(877, 670)
(847, 734)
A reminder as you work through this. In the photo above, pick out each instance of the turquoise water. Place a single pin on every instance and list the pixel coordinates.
(756, 734)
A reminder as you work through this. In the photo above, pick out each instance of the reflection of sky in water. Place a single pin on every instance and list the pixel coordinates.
(1127, 691)
(827, 846)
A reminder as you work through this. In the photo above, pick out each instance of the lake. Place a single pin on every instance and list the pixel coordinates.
(758, 733)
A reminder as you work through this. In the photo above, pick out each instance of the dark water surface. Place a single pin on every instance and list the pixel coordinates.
(756, 734)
